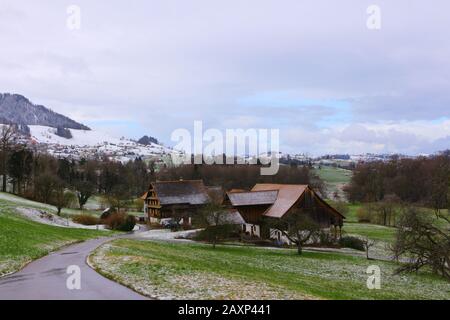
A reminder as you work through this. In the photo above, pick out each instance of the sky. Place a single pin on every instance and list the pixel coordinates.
(312, 69)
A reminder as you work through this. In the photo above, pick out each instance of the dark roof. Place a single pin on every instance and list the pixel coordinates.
(181, 192)
(232, 217)
(252, 198)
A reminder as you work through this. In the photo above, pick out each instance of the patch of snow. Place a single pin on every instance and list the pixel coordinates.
(44, 217)
(166, 235)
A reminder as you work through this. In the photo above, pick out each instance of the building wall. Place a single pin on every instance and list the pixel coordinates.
(252, 229)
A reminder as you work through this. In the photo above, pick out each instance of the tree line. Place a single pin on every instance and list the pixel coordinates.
(424, 181)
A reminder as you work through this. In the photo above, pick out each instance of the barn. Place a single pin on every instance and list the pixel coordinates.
(276, 201)
(175, 199)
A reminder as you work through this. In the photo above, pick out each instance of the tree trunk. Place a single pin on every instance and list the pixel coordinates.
(59, 211)
(299, 249)
(4, 157)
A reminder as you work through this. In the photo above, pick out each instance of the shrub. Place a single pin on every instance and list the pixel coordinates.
(107, 213)
(363, 215)
(352, 242)
(86, 219)
(218, 233)
(120, 221)
(326, 238)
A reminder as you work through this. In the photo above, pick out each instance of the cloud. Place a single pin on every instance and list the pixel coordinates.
(311, 69)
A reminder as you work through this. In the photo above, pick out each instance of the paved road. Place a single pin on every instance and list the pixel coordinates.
(45, 278)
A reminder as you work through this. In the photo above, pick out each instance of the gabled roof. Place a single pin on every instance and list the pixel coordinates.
(288, 195)
(232, 217)
(181, 192)
(252, 198)
(144, 196)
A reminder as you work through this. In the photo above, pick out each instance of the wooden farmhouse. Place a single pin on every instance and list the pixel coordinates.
(276, 201)
(174, 199)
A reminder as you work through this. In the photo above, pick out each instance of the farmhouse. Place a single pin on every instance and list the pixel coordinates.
(276, 201)
(174, 199)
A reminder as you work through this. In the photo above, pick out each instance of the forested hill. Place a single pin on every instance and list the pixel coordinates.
(16, 109)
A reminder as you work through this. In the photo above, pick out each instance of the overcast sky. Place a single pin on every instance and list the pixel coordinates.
(309, 68)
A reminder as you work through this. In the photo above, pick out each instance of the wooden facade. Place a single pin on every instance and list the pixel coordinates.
(174, 199)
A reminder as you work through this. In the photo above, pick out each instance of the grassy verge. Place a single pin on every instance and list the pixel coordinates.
(196, 271)
(22, 240)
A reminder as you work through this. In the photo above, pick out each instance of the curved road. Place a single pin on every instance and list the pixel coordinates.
(45, 278)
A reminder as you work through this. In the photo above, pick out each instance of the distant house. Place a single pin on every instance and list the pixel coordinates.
(275, 201)
(175, 199)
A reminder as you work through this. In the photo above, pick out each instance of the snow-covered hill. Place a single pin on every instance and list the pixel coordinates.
(90, 143)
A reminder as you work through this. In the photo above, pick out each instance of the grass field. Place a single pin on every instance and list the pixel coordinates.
(372, 231)
(196, 271)
(22, 240)
(19, 201)
(334, 179)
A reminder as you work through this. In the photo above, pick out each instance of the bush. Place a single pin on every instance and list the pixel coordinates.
(352, 242)
(218, 233)
(326, 238)
(120, 221)
(363, 215)
(86, 219)
(107, 213)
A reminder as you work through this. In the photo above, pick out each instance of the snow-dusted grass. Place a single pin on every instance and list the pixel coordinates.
(52, 219)
(335, 179)
(196, 271)
(19, 201)
(23, 240)
(373, 231)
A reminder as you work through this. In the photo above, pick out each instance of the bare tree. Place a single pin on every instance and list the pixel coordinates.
(61, 197)
(424, 241)
(367, 245)
(298, 227)
(8, 136)
(84, 190)
(214, 217)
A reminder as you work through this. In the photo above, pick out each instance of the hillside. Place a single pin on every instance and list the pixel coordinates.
(63, 137)
(91, 143)
(15, 108)
(23, 240)
(335, 179)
